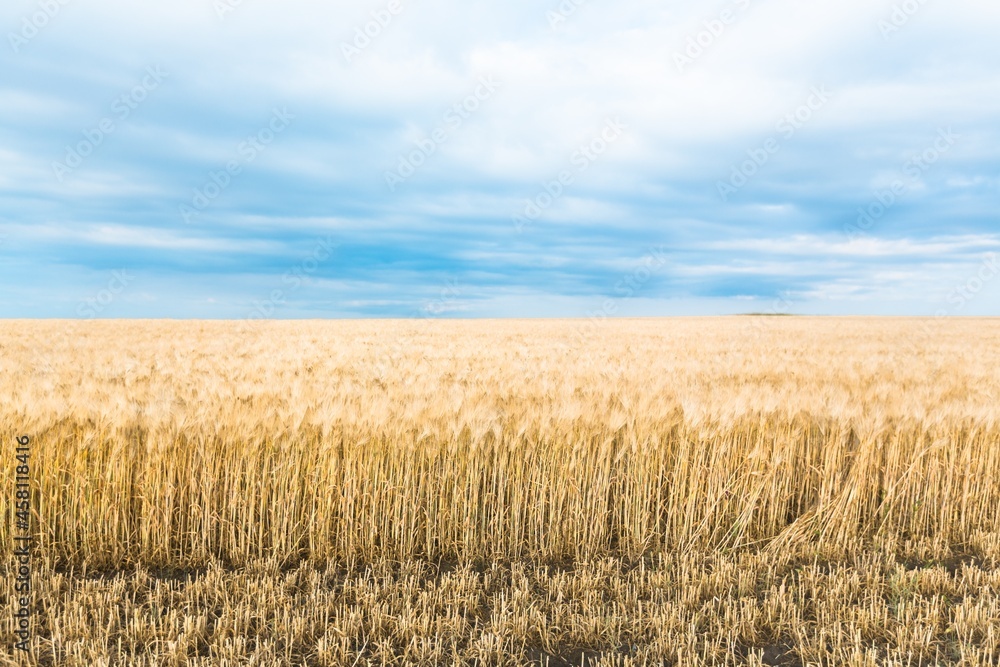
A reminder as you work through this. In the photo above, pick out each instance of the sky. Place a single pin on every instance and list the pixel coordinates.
(435, 158)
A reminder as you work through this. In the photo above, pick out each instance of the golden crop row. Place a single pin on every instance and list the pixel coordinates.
(175, 443)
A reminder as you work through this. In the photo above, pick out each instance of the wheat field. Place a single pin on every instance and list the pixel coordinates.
(696, 491)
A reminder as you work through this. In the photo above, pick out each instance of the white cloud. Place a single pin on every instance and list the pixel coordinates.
(558, 87)
(802, 245)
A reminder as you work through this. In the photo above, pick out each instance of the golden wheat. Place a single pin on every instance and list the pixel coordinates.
(695, 491)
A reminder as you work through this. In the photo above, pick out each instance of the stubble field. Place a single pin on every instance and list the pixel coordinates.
(725, 491)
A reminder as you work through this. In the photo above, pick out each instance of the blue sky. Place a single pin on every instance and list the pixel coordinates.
(387, 158)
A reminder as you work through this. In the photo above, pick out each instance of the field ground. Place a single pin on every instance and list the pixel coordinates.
(729, 491)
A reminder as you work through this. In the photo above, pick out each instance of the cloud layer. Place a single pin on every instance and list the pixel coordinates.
(435, 159)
